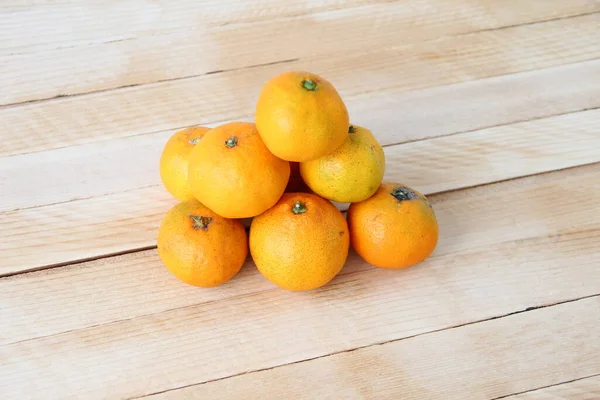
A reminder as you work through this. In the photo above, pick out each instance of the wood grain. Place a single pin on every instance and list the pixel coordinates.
(137, 284)
(491, 108)
(502, 152)
(481, 361)
(128, 220)
(30, 28)
(89, 170)
(124, 58)
(361, 78)
(580, 389)
(56, 234)
(262, 330)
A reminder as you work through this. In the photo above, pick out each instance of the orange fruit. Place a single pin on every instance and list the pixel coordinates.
(301, 116)
(174, 161)
(395, 228)
(301, 243)
(200, 247)
(350, 174)
(232, 172)
(295, 183)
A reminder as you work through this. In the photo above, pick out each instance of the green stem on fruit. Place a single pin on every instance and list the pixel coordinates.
(194, 141)
(309, 84)
(231, 142)
(299, 208)
(352, 129)
(200, 222)
(404, 193)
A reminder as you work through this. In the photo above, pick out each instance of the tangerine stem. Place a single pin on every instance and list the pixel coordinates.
(231, 142)
(309, 84)
(352, 129)
(299, 208)
(402, 193)
(194, 141)
(201, 222)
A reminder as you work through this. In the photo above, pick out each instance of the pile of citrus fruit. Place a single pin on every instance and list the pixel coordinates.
(281, 173)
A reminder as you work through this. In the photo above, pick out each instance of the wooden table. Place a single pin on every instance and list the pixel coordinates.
(491, 108)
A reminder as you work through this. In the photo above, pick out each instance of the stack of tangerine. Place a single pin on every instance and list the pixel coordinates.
(282, 173)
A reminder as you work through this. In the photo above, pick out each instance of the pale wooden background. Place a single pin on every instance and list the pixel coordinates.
(490, 107)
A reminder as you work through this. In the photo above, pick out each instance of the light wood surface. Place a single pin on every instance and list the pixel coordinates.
(491, 108)
(150, 42)
(583, 389)
(510, 151)
(144, 287)
(400, 69)
(484, 360)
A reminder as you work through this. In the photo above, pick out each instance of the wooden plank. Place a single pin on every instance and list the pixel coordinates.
(126, 221)
(132, 285)
(78, 172)
(434, 111)
(232, 94)
(472, 105)
(57, 234)
(270, 328)
(31, 28)
(502, 152)
(127, 60)
(482, 361)
(67, 174)
(580, 389)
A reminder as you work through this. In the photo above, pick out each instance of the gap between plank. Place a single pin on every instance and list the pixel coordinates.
(358, 94)
(62, 96)
(519, 121)
(281, 61)
(79, 261)
(78, 198)
(249, 294)
(546, 387)
(167, 32)
(499, 28)
(582, 110)
(384, 343)
(510, 179)
(136, 317)
(145, 248)
(90, 43)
